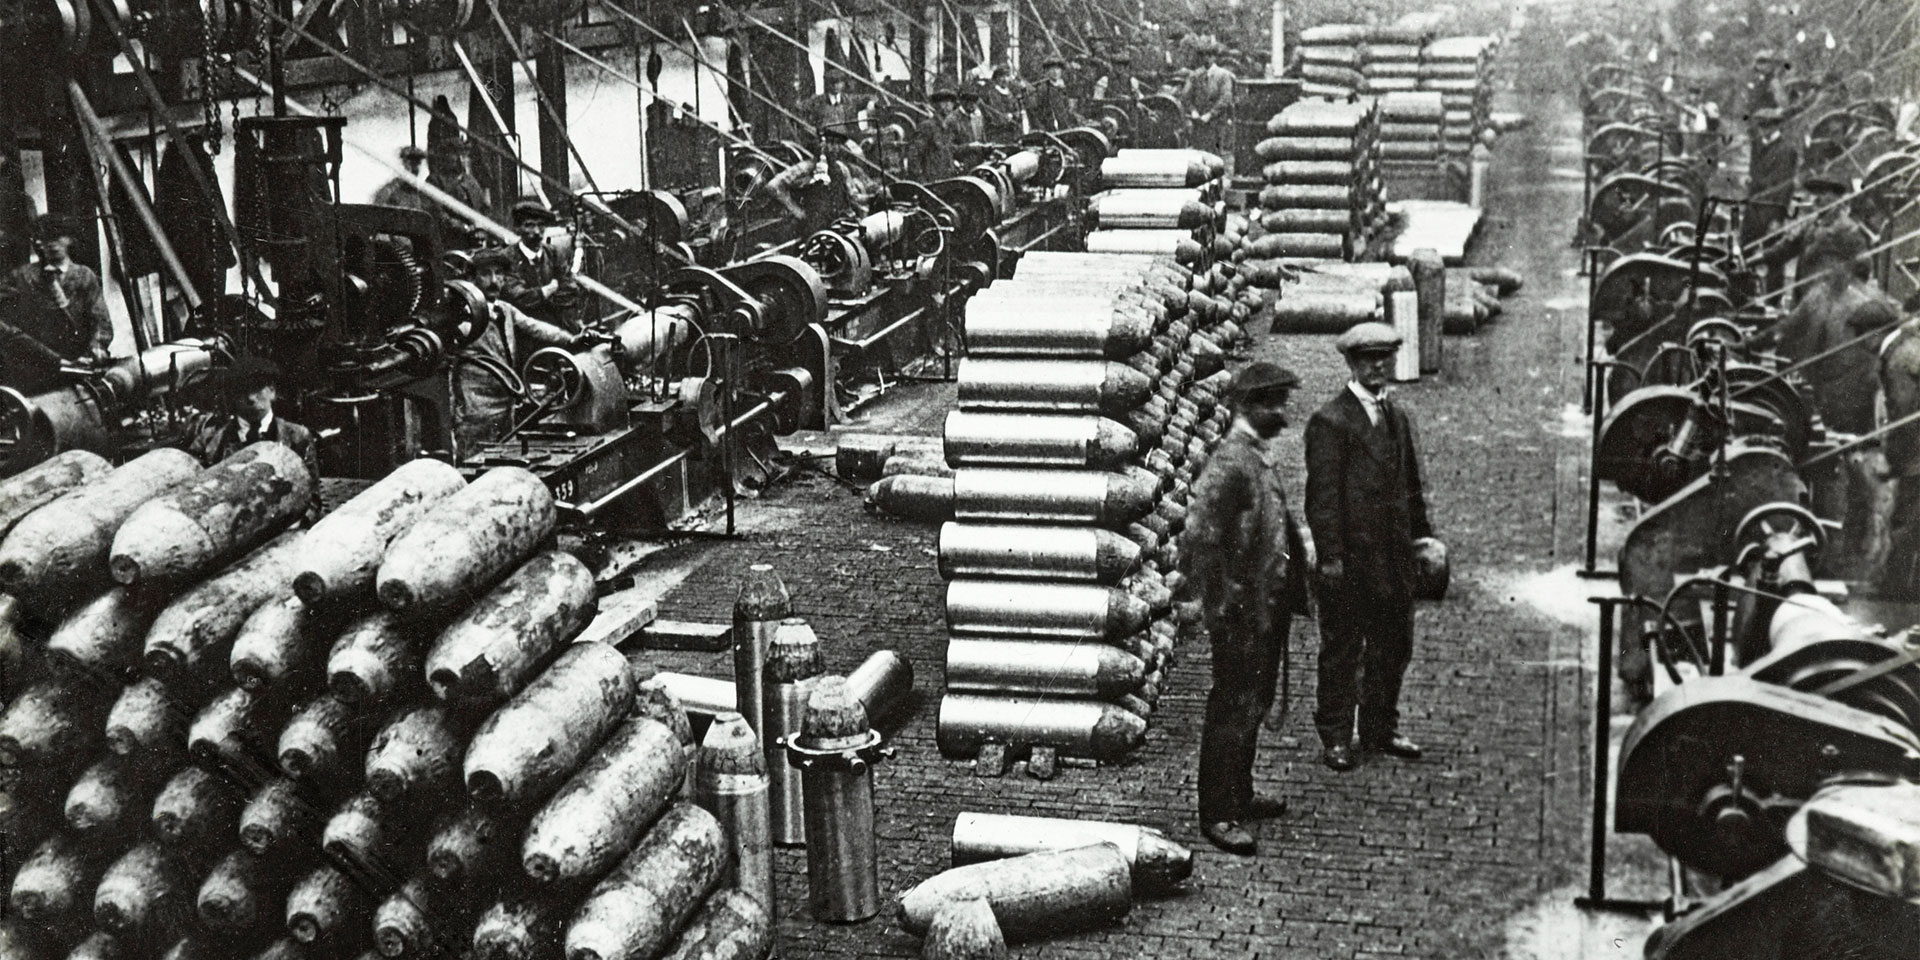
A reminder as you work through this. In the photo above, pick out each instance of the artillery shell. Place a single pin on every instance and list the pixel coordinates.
(51, 887)
(278, 818)
(1039, 892)
(342, 556)
(223, 512)
(1178, 244)
(604, 807)
(199, 626)
(964, 930)
(241, 892)
(1041, 668)
(323, 905)
(417, 756)
(521, 928)
(1095, 332)
(636, 912)
(494, 647)
(279, 644)
(1084, 728)
(1035, 552)
(1029, 440)
(928, 499)
(730, 926)
(58, 553)
(106, 633)
(1147, 168)
(1051, 386)
(42, 483)
(147, 719)
(733, 787)
(142, 895)
(110, 798)
(1153, 209)
(1049, 496)
(530, 745)
(1013, 608)
(323, 738)
(470, 844)
(1157, 864)
(234, 728)
(51, 722)
(465, 542)
(375, 659)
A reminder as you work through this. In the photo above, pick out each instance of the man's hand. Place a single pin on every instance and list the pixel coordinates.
(552, 287)
(1332, 569)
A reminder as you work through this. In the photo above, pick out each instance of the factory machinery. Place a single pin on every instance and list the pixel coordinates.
(1775, 757)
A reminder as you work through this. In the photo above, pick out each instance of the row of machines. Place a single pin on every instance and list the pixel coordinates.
(1775, 756)
(677, 399)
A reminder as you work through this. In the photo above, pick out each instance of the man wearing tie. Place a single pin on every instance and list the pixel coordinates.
(1365, 507)
(247, 391)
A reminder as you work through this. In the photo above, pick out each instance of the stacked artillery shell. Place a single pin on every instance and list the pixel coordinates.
(1331, 60)
(1412, 143)
(174, 807)
(1067, 435)
(1325, 297)
(1458, 68)
(1324, 196)
(1160, 202)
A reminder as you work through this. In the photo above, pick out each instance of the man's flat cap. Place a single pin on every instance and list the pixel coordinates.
(1368, 337)
(249, 373)
(533, 211)
(1262, 375)
(492, 258)
(1829, 184)
(411, 152)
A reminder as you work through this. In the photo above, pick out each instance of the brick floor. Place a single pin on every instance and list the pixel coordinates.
(1393, 859)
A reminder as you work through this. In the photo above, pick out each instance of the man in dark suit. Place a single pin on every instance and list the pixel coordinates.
(247, 392)
(51, 310)
(1245, 557)
(541, 283)
(1365, 507)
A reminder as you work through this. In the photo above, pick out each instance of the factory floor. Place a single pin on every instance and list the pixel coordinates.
(1475, 851)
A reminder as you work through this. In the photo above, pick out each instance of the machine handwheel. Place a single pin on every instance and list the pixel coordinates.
(1767, 520)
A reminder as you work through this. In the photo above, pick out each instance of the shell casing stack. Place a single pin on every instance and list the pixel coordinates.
(1330, 57)
(413, 755)
(1152, 204)
(1413, 143)
(1071, 462)
(1324, 197)
(1459, 68)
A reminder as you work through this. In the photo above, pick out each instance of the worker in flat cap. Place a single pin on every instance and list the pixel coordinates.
(1049, 105)
(834, 185)
(1366, 507)
(486, 372)
(1002, 117)
(1118, 81)
(936, 139)
(1245, 556)
(400, 192)
(541, 283)
(52, 311)
(245, 393)
(1207, 99)
(1824, 237)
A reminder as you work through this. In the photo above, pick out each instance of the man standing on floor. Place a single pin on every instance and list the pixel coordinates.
(1365, 507)
(1246, 557)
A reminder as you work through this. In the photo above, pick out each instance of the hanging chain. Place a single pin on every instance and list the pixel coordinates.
(208, 105)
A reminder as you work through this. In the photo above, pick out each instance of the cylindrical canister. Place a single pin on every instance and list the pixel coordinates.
(733, 787)
(706, 696)
(835, 751)
(1035, 553)
(757, 611)
(1015, 608)
(1030, 440)
(793, 662)
(1042, 667)
(1052, 386)
(1178, 244)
